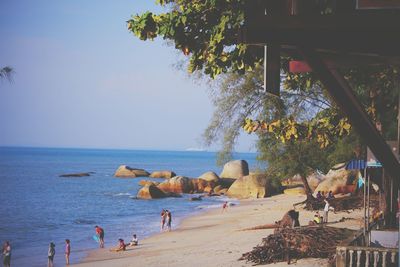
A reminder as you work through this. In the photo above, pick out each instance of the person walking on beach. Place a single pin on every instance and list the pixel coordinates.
(326, 210)
(67, 251)
(100, 234)
(225, 206)
(6, 254)
(50, 255)
(169, 219)
(163, 217)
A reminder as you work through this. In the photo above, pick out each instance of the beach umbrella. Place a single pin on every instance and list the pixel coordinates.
(356, 164)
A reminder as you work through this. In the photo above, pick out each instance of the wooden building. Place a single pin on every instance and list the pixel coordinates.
(325, 36)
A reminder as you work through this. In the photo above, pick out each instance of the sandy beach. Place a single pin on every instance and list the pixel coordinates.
(214, 238)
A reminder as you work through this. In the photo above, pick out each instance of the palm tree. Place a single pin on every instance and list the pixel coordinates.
(6, 73)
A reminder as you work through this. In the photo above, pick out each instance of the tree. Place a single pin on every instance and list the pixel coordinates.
(239, 96)
(206, 32)
(6, 73)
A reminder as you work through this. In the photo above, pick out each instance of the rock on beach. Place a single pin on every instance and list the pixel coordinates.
(210, 177)
(251, 186)
(235, 169)
(338, 180)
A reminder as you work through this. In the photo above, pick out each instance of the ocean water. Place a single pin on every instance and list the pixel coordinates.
(38, 207)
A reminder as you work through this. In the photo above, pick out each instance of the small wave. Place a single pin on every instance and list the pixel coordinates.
(83, 221)
(121, 194)
(211, 206)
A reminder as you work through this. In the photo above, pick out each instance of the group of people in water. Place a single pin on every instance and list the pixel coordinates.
(6, 253)
(166, 220)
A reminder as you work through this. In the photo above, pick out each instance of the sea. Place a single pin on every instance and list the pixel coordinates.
(37, 206)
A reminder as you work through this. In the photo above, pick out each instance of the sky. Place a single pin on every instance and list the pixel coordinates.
(82, 80)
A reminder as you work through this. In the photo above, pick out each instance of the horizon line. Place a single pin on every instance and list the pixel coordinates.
(126, 149)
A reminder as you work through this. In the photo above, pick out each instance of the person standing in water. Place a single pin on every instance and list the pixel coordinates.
(67, 250)
(163, 217)
(169, 219)
(6, 254)
(50, 255)
(100, 234)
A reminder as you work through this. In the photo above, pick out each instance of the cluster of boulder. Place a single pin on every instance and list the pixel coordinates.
(235, 180)
(338, 180)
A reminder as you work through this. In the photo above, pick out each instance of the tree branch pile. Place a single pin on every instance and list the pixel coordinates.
(304, 242)
(290, 219)
(340, 204)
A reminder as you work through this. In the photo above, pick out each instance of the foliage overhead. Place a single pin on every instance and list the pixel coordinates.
(6, 73)
(206, 32)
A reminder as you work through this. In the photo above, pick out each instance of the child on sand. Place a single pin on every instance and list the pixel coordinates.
(134, 241)
(50, 255)
(317, 218)
(67, 251)
(121, 246)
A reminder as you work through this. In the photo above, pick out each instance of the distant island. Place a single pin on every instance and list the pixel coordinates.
(196, 149)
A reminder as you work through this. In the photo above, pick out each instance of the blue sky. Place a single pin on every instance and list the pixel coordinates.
(82, 80)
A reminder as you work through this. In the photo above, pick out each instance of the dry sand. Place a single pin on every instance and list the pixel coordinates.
(214, 239)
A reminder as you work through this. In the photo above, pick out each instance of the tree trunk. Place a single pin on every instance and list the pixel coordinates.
(307, 188)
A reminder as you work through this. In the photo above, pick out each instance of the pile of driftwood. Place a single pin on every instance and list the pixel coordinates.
(339, 204)
(288, 243)
(290, 219)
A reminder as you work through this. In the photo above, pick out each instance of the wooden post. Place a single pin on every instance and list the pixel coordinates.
(341, 257)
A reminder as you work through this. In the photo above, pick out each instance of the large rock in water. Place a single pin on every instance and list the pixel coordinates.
(150, 192)
(126, 171)
(81, 174)
(162, 174)
(251, 186)
(202, 186)
(338, 180)
(235, 169)
(147, 182)
(177, 184)
(210, 177)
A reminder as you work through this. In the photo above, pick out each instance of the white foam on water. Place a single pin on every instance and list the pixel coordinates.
(122, 194)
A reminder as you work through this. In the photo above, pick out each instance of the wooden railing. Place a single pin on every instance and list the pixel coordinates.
(349, 256)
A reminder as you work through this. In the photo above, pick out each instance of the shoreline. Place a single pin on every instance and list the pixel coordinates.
(213, 238)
